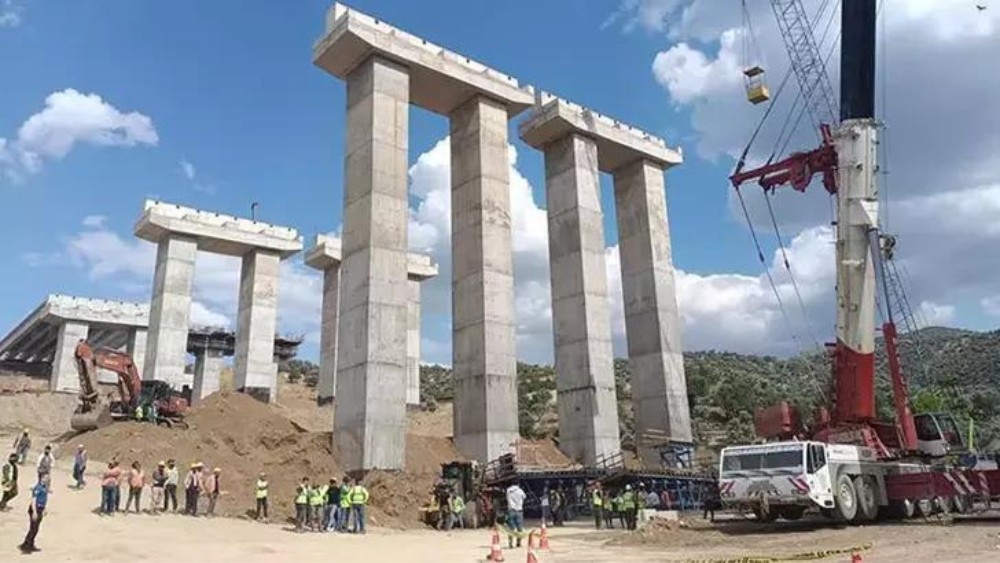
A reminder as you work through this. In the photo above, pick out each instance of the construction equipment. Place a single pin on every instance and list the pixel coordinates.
(847, 463)
(466, 479)
(95, 411)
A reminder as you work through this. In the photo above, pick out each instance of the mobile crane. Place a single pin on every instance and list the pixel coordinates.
(847, 463)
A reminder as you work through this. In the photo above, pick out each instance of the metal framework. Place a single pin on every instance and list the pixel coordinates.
(806, 60)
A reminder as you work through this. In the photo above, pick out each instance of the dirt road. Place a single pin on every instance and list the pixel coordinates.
(72, 531)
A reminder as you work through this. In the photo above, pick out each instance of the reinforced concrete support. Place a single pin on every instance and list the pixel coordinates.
(169, 310)
(64, 373)
(370, 418)
(484, 357)
(652, 322)
(585, 383)
(207, 369)
(257, 319)
(135, 346)
(327, 386)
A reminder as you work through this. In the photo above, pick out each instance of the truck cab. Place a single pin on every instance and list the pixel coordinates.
(780, 479)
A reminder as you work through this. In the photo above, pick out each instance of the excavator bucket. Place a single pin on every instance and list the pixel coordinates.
(92, 420)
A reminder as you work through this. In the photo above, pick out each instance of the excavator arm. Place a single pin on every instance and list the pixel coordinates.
(92, 413)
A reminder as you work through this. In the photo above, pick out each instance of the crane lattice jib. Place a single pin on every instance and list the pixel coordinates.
(806, 60)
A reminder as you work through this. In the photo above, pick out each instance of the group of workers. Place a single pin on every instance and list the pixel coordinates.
(450, 507)
(198, 485)
(333, 507)
(9, 477)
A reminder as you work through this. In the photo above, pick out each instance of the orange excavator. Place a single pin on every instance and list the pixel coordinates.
(95, 411)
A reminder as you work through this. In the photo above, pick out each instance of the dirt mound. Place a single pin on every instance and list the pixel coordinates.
(541, 453)
(663, 531)
(46, 415)
(244, 437)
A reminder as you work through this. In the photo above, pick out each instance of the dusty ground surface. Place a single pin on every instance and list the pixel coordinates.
(72, 531)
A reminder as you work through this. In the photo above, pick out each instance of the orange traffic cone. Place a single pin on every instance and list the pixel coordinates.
(856, 557)
(532, 557)
(543, 538)
(496, 552)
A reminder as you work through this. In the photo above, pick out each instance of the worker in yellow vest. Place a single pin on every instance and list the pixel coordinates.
(344, 518)
(302, 505)
(317, 498)
(628, 506)
(597, 501)
(261, 496)
(457, 516)
(359, 500)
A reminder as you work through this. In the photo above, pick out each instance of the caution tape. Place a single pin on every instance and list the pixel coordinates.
(513, 533)
(806, 556)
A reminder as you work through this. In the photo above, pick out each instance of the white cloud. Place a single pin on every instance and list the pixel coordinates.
(202, 316)
(70, 118)
(187, 169)
(936, 314)
(991, 305)
(94, 221)
(10, 13)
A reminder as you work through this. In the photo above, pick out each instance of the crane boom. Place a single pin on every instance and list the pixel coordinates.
(806, 60)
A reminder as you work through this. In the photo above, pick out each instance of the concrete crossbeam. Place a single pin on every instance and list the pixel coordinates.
(439, 80)
(483, 357)
(207, 370)
(257, 318)
(585, 382)
(215, 232)
(65, 376)
(617, 144)
(370, 418)
(169, 311)
(652, 321)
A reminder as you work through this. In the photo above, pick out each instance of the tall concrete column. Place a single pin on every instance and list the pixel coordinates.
(257, 318)
(65, 376)
(326, 387)
(585, 382)
(169, 310)
(413, 343)
(652, 322)
(370, 418)
(484, 357)
(207, 369)
(135, 347)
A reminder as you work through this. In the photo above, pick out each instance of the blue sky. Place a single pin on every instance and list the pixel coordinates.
(231, 111)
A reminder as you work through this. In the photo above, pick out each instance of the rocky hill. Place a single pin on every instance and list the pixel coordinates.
(948, 370)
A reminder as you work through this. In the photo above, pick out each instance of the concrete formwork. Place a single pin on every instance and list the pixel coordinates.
(636, 160)
(180, 232)
(386, 69)
(325, 255)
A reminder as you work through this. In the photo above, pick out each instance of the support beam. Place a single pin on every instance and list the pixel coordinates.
(484, 357)
(207, 369)
(652, 322)
(585, 381)
(136, 346)
(326, 388)
(169, 310)
(65, 376)
(257, 319)
(370, 418)
(419, 269)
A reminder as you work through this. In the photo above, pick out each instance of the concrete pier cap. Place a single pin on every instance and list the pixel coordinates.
(215, 232)
(325, 253)
(618, 144)
(440, 80)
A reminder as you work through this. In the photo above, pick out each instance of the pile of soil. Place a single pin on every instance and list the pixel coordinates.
(45, 415)
(244, 437)
(661, 531)
(542, 453)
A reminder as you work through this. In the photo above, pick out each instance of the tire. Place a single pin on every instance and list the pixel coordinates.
(942, 504)
(867, 503)
(765, 515)
(908, 508)
(961, 504)
(793, 513)
(845, 499)
(925, 507)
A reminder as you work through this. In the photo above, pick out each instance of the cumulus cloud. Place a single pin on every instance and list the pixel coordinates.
(936, 314)
(10, 13)
(187, 169)
(70, 118)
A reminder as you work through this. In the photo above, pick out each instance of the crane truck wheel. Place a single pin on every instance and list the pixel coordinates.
(961, 504)
(925, 507)
(867, 504)
(765, 514)
(793, 512)
(845, 499)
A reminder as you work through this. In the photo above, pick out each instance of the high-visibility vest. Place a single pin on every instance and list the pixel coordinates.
(596, 496)
(302, 494)
(628, 500)
(457, 504)
(138, 412)
(359, 495)
(345, 497)
(261, 488)
(317, 496)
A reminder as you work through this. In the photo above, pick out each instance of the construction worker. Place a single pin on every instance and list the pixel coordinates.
(109, 487)
(628, 507)
(156, 490)
(331, 509)
(302, 492)
(8, 480)
(619, 511)
(713, 500)
(556, 502)
(261, 497)
(138, 412)
(170, 485)
(45, 462)
(212, 489)
(22, 444)
(609, 509)
(317, 500)
(546, 506)
(192, 488)
(79, 466)
(597, 504)
(359, 502)
(136, 481)
(36, 510)
(515, 513)
(457, 512)
(345, 504)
